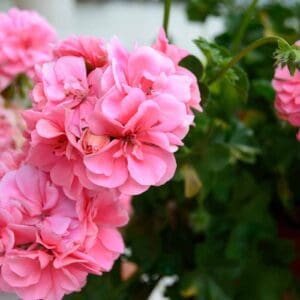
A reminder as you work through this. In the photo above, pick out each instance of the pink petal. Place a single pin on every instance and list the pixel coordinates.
(150, 170)
(111, 239)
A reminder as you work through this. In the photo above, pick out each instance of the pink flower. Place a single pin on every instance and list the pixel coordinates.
(101, 218)
(114, 126)
(50, 243)
(12, 152)
(25, 38)
(172, 51)
(145, 113)
(52, 150)
(287, 89)
(59, 137)
(287, 102)
(183, 77)
(33, 275)
(93, 50)
(64, 82)
(139, 154)
(10, 160)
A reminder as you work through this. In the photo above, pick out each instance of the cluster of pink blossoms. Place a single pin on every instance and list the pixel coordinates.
(104, 126)
(25, 38)
(50, 243)
(12, 150)
(287, 88)
(104, 117)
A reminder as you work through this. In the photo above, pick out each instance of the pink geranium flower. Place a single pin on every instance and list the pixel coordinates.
(139, 155)
(65, 82)
(113, 125)
(51, 150)
(25, 40)
(145, 113)
(50, 243)
(101, 218)
(287, 102)
(183, 77)
(287, 89)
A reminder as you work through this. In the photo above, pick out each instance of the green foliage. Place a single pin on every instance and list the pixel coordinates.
(216, 225)
(217, 57)
(198, 10)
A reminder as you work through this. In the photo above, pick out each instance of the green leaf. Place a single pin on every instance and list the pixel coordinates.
(216, 58)
(217, 157)
(193, 64)
(263, 88)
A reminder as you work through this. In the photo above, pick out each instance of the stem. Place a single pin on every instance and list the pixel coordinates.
(245, 51)
(242, 28)
(167, 9)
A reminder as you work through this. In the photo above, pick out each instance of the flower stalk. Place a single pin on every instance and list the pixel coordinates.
(258, 43)
(167, 10)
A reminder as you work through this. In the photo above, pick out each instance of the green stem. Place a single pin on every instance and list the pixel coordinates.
(242, 28)
(245, 51)
(167, 9)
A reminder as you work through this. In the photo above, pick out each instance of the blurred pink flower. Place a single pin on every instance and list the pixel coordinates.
(287, 89)
(50, 243)
(12, 149)
(25, 39)
(7, 129)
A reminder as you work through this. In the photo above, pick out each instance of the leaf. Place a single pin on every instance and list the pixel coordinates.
(192, 182)
(217, 58)
(193, 64)
(242, 145)
(218, 157)
(200, 220)
(263, 88)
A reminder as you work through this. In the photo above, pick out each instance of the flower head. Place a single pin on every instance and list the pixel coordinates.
(287, 89)
(115, 124)
(50, 243)
(25, 39)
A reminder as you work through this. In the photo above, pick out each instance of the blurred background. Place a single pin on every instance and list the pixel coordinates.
(132, 21)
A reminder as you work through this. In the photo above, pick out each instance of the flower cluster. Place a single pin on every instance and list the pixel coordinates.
(25, 38)
(287, 88)
(104, 117)
(12, 148)
(50, 243)
(104, 125)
